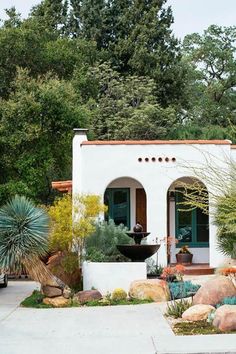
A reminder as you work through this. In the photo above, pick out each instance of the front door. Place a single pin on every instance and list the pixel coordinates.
(141, 208)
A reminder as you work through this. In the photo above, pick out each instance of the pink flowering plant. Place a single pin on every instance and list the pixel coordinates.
(170, 272)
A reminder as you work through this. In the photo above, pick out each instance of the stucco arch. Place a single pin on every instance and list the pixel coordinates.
(185, 180)
(196, 234)
(136, 198)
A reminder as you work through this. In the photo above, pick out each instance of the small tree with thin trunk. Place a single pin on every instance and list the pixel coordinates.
(222, 196)
(73, 220)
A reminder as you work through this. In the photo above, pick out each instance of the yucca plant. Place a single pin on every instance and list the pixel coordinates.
(23, 239)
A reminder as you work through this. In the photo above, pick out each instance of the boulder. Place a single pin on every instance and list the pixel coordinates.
(197, 313)
(67, 293)
(87, 295)
(214, 291)
(225, 318)
(56, 265)
(59, 301)
(154, 289)
(51, 291)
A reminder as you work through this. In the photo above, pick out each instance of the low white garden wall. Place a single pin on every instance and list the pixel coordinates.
(106, 277)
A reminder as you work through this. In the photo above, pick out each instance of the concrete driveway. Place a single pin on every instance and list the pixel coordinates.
(139, 329)
(11, 296)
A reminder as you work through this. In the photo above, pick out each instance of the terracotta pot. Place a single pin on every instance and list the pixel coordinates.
(184, 258)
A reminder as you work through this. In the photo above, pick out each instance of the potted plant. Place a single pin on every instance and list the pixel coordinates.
(184, 256)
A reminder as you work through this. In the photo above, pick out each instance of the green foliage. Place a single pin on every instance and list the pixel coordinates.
(67, 235)
(70, 262)
(35, 300)
(227, 301)
(23, 232)
(36, 131)
(154, 269)
(112, 66)
(210, 59)
(136, 37)
(225, 219)
(181, 289)
(101, 245)
(125, 107)
(109, 302)
(177, 307)
(195, 328)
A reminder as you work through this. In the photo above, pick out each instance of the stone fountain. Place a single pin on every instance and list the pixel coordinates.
(138, 252)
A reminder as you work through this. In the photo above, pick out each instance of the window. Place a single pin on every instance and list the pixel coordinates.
(118, 202)
(192, 226)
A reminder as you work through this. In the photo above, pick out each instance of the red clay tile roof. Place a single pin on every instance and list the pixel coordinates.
(155, 142)
(62, 186)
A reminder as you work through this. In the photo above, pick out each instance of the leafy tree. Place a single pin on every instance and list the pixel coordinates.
(142, 44)
(36, 125)
(23, 239)
(14, 18)
(52, 14)
(125, 107)
(222, 196)
(136, 37)
(212, 80)
(20, 47)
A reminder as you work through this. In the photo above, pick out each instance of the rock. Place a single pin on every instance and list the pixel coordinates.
(197, 312)
(51, 291)
(154, 289)
(225, 318)
(56, 265)
(59, 301)
(67, 293)
(214, 290)
(87, 295)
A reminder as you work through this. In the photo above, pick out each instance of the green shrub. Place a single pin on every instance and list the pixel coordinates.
(119, 294)
(101, 245)
(181, 289)
(35, 300)
(227, 301)
(176, 308)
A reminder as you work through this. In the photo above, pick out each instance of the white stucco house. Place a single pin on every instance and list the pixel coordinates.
(138, 180)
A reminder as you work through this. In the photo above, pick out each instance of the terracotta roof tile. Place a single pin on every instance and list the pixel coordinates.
(62, 186)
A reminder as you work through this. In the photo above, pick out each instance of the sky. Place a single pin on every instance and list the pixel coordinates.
(190, 15)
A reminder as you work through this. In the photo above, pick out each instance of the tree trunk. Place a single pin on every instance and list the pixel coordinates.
(38, 271)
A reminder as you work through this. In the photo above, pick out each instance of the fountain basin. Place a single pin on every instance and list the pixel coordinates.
(138, 253)
(137, 236)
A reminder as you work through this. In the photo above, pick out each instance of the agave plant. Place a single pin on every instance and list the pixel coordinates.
(23, 239)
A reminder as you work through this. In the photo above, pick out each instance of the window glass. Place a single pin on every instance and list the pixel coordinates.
(118, 202)
(192, 226)
(120, 207)
(202, 226)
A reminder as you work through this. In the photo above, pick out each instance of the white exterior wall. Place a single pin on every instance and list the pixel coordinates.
(96, 166)
(106, 277)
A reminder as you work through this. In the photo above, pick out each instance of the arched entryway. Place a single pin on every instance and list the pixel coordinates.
(188, 227)
(126, 201)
